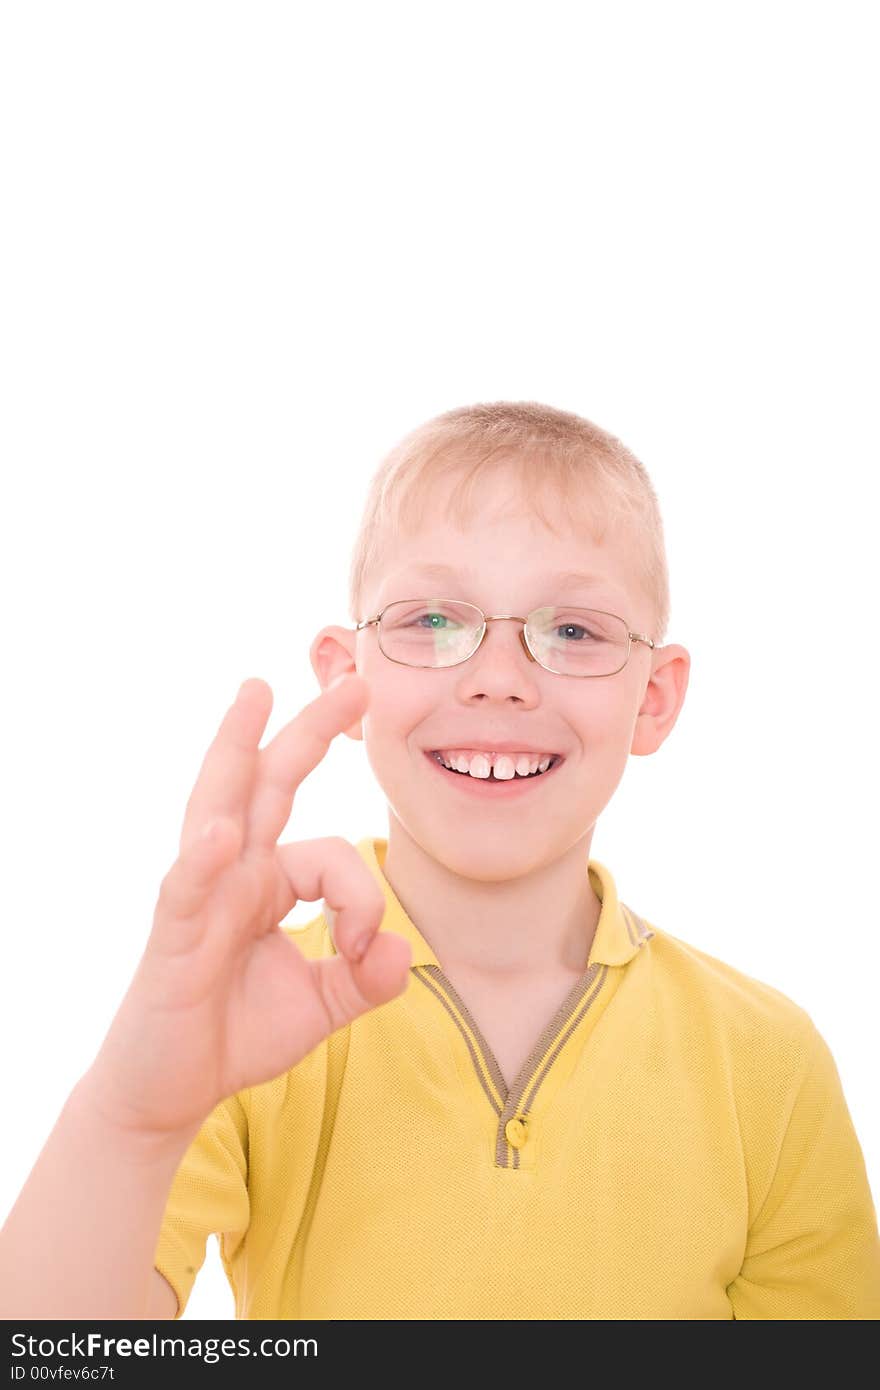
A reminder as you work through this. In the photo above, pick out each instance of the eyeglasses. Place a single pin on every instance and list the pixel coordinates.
(445, 632)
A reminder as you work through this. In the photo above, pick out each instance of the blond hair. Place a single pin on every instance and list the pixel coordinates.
(598, 479)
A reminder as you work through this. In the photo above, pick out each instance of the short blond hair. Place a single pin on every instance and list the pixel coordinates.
(602, 484)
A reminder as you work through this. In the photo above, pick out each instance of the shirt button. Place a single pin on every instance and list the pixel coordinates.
(516, 1132)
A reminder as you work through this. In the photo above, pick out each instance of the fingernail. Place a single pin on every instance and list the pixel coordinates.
(337, 681)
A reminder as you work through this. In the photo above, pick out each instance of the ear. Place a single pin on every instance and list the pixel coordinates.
(662, 699)
(332, 654)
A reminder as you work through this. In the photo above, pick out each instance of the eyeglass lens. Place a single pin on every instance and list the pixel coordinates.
(439, 632)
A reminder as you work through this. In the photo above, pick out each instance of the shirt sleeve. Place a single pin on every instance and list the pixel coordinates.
(813, 1249)
(208, 1196)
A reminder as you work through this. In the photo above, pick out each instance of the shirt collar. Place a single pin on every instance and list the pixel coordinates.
(619, 935)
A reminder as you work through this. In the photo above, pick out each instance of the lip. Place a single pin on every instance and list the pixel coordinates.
(488, 789)
(504, 746)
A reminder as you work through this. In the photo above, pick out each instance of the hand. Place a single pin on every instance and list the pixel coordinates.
(222, 999)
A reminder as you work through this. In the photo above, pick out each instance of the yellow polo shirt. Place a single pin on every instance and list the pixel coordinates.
(676, 1146)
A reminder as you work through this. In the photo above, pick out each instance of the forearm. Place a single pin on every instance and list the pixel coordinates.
(79, 1241)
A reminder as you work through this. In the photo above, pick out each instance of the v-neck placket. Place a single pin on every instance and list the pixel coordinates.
(620, 935)
(513, 1107)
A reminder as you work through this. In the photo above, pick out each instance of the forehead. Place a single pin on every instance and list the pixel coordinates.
(492, 543)
(547, 585)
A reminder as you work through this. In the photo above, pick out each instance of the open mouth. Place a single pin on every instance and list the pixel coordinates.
(499, 784)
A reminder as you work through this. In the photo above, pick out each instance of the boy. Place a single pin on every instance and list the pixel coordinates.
(478, 1084)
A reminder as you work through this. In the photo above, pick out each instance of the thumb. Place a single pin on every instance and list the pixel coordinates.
(349, 989)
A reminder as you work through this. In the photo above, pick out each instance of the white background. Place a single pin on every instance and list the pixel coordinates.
(245, 248)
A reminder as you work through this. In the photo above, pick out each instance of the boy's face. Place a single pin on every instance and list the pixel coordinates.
(502, 565)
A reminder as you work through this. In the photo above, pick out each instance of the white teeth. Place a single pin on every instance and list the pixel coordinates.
(505, 768)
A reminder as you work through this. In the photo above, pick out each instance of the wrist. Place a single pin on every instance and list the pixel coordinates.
(90, 1109)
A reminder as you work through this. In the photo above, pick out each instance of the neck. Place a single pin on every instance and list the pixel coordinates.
(540, 923)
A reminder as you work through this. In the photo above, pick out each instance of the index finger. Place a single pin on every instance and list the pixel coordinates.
(295, 751)
(226, 777)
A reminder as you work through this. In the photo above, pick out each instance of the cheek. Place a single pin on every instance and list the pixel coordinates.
(602, 734)
(594, 717)
(397, 713)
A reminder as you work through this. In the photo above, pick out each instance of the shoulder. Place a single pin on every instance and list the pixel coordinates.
(722, 1008)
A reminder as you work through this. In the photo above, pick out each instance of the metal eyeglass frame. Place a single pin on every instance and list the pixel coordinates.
(508, 617)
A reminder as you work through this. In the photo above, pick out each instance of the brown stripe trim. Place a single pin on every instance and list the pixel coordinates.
(563, 1039)
(564, 1022)
(557, 1023)
(488, 1055)
(523, 1109)
(581, 990)
(639, 926)
(422, 972)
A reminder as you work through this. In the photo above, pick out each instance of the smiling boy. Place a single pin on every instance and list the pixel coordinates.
(566, 1111)
(494, 872)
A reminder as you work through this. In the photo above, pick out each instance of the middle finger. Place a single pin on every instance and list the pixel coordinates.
(294, 752)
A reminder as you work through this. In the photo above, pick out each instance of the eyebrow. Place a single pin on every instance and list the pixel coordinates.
(567, 579)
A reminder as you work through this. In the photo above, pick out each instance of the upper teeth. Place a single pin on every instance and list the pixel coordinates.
(504, 765)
